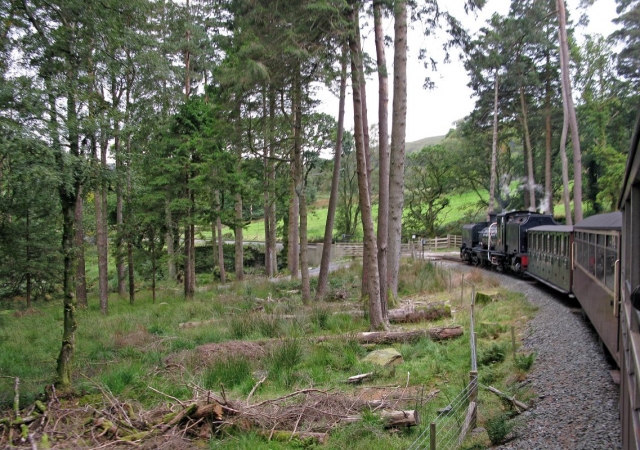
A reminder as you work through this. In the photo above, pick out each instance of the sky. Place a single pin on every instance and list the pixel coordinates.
(433, 112)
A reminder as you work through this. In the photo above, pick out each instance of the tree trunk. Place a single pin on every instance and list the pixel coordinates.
(28, 279)
(365, 134)
(570, 111)
(300, 186)
(548, 182)
(335, 181)
(370, 251)
(494, 151)
(223, 272)
(294, 209)
(187, 260)
(531, 183)
(266, 167)
(169, 238)
(68, 199)
(272, 184)
(119, 216)
(239, 239)
(129, 214)
(383, 156)
(566, 194)
(101, 229)
(398, 134)
(81, 279)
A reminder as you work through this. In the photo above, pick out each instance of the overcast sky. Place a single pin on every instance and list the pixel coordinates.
(432, 113)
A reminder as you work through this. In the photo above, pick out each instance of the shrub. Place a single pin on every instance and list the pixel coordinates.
(498, 428)
(494, 354)
(524, 362)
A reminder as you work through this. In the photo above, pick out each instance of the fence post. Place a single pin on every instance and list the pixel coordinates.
(462, 290)
(513, 341)
(432, 435)
(473, 395)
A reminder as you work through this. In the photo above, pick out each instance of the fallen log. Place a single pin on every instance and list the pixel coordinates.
(306, 436)
(391, 418)
(359, 378)
(517, 404)
(391, 337)
(433, 311)
(400, 418)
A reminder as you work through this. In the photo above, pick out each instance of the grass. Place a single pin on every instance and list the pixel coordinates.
(142, 345)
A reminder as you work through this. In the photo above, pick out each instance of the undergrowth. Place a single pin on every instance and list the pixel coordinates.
(142, 346)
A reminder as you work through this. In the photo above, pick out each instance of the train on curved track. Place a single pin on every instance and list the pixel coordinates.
(597, 261)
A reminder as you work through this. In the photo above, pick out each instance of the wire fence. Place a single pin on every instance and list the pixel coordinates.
(450, 427)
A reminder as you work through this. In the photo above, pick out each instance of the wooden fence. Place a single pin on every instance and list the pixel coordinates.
(416, 246)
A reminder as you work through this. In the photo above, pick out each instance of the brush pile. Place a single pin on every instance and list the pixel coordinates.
(307, 415)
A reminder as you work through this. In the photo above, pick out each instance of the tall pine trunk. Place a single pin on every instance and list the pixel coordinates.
(119, 214)
(548, 182)
(169, 238)
(81, 278)
(68, 199)
(293, 236)
(570, 111)
(272, 183)
(531, 183)
(300, 185)
(223, 272)
(566, 194)
(366, 140)
(494, 150)
(383, 156)
(239, 239)
(370, 249)
(323, 276)
(398, 134)
(101, 228)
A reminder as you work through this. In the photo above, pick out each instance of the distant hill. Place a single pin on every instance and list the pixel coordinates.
(418, 145)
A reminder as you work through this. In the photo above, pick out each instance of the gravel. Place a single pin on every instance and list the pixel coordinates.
(577, 404)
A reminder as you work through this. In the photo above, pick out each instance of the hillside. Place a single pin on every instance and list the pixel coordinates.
(415, 146)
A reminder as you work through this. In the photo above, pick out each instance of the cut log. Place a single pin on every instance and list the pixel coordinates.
(212, 410)
(400, 418)
(433, 311)
(359, 378)
(307, 436)
(198, 324)
(391, 418)
(517, 404)
(391, 337)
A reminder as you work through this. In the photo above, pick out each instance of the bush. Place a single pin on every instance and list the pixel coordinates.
(498, 428)
(494, 354)
(524, 362)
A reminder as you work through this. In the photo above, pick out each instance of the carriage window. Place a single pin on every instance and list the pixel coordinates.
(600, 263)
(611, 255)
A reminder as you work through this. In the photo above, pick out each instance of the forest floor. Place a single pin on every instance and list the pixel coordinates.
(249, 366)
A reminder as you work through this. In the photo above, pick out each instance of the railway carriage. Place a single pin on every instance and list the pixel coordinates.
(629, 336)
(596, 274)
(550, 256)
